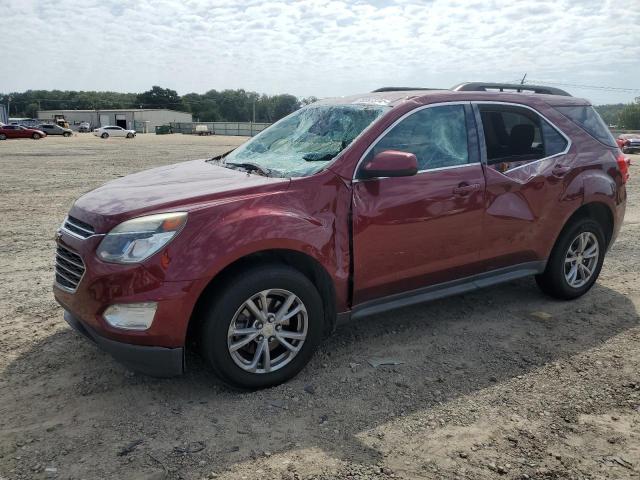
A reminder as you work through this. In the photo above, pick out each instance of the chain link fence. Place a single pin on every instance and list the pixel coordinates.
(246, 129)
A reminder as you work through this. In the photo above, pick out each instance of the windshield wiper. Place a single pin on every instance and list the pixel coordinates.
(319, 156)
(250, 167)
(220, 157)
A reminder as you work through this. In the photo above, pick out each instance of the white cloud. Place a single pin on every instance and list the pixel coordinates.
(316, 47)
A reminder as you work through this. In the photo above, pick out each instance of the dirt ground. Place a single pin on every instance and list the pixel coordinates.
(500, 383)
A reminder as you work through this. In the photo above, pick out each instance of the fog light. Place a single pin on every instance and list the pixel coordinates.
(131, 316)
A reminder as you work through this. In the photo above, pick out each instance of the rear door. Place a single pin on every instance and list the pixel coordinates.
(524, 154)
(412, 232)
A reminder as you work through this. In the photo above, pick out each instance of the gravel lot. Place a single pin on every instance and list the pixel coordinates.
(501, 383)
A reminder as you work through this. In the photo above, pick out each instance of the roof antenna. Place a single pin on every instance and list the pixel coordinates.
(522, 81)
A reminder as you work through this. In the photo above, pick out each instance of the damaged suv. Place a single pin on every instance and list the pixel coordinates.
(347, 207)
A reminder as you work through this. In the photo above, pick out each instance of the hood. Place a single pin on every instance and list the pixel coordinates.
(181, 186)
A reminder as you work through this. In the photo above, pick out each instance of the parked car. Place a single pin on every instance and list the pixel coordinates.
(202, 130)
(84, 127)
(346, 208)
(629, 142)
(51, 129)
(18, 131)
(113, 131)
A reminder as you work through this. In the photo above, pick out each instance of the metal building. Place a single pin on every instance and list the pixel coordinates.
(141, 120)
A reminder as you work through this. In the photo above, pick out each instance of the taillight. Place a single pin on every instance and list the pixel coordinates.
(623, 166)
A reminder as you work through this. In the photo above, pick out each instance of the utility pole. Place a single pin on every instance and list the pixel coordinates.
(522, 81)
(254, 116)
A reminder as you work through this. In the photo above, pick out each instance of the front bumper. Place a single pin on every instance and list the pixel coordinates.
(154, 361)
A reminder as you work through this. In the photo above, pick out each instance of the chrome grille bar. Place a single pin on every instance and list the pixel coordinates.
(69, 269)
(78, 227)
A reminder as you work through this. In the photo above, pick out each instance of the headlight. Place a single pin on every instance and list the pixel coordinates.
(137, 239)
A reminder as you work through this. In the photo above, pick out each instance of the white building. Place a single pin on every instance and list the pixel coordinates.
(141, 120)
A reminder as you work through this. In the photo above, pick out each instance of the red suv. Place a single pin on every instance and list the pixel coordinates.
(345, 208)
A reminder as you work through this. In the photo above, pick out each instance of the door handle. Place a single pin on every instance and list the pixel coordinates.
(560, 170)
(464, 189)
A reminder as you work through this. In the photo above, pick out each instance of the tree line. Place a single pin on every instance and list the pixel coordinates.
(212, 106)
(219, 106)
(620, 115)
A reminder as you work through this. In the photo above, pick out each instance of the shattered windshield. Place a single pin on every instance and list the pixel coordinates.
(305, 141)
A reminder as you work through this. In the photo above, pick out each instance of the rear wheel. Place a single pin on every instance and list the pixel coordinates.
(105, 135)
(263, 327)
(575, 261)
(3, 136)
(36, 136)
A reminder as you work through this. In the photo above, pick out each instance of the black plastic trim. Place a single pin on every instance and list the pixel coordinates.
(152, 361)
(446, 289)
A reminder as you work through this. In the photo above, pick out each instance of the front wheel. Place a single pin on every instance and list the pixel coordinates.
(263, 327)
(3, 136)
(129, 135)
(575, 262)
(36, 136)
(105, 135)
(66, 134)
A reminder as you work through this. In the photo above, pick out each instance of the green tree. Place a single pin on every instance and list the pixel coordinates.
(629, 117)
(159, 97)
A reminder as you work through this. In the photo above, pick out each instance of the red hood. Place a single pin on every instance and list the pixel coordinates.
(179, 186)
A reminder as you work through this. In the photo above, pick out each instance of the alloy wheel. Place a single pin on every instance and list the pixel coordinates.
(581, 259)
(267, 331)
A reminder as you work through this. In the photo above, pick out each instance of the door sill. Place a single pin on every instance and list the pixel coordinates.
(446, 289)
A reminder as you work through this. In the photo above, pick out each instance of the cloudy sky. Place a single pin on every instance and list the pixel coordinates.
(316, 47)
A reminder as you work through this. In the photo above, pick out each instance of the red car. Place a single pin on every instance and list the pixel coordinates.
(18, 131)
(629, 142)
(345, 208)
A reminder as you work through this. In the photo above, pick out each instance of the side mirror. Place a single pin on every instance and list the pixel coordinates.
(390, 163)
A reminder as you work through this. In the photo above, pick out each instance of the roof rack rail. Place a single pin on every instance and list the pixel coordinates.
(523, 88)
(401, 89)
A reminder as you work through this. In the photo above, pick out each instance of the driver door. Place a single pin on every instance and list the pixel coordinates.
(417, 231)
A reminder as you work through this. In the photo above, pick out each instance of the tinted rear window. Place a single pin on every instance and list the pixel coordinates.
(588, 118)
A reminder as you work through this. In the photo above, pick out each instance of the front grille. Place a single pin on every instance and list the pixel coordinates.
(78, 227)
(69, 268)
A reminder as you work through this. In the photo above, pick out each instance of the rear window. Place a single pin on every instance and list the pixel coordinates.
(588, 118)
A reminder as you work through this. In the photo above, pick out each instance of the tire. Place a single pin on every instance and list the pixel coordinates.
(104, 135)
(3, 136)
(66, 134)
(228, 307)
(129, 135)
(558, 279)
(36, 136)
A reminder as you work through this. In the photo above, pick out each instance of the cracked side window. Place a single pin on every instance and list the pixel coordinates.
(437, 136)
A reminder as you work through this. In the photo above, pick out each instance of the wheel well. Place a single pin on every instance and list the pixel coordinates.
(302, 262)
(599, 212)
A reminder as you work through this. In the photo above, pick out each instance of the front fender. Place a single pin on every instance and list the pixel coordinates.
(310, 217)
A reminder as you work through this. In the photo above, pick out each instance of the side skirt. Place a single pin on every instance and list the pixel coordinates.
(441, 290)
